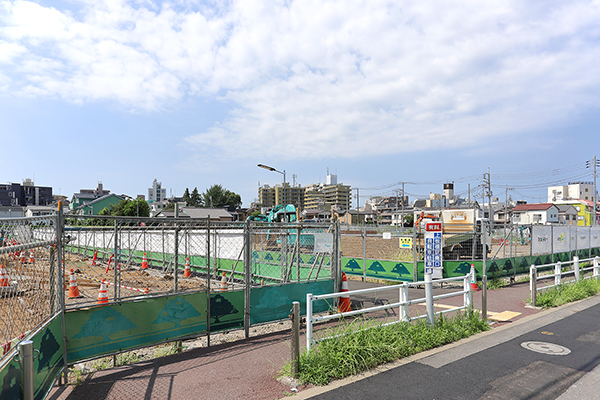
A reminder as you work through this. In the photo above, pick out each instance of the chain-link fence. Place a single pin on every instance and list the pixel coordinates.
(144, 257)
(291, 253)
(28, 278)
(83, 287)
(398, 253)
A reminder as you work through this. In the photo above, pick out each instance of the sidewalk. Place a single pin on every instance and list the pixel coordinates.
(246, 369)
(554, 354)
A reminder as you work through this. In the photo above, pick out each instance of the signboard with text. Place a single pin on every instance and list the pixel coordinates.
(406, 242)
(433, 249)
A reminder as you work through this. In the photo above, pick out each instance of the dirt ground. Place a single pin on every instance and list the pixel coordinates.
(132, 280)
(30, 296)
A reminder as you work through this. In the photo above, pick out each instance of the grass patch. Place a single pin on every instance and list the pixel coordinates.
(567, 293)
(496, 283)
(167, 350)
(365, 345)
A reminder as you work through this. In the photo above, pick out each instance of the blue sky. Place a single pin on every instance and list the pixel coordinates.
(196, 93)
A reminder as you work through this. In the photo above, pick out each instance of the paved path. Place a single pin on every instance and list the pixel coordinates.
(474, 368)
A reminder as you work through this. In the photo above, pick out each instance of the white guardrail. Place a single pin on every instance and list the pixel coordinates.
(402, 304)
(574, 269)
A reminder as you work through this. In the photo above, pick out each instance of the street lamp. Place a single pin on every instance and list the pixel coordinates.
(282, 173)
(137, 205)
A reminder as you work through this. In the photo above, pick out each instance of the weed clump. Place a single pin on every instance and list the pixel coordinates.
(365, 345)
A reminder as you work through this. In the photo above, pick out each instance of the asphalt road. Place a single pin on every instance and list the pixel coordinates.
(537, 358)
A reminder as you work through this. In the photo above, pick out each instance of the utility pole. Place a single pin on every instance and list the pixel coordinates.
(487, 190)
(403, 204)
(469, 193)
(593, 164)
(397, 194)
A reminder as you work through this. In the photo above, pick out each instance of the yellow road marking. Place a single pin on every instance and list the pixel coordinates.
(496, 316)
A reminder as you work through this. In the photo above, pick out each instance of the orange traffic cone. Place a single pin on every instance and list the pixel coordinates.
(147, 290)
(73, 289)
(144, 262)
(223, 282)
(31, 258)
(3, 276)
(23, 260)
(474, 286)
(95, 257)
(102, 293)
(187, 272)
(344, 305)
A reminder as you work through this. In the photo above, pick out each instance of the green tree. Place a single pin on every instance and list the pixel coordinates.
(187, 198)
(196, 199)
(129, 208)
(217, 197)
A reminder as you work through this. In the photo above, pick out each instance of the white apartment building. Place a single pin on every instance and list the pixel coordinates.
(574, 190)
(156, 192)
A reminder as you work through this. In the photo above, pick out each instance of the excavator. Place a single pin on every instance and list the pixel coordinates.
(422, 216)
(279, 213)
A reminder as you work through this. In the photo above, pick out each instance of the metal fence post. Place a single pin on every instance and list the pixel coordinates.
(533, 284)
(576, 267)
(60, 237)
(364, 254)
(295, 339)
(429, 299)
(415, 261)
(116, 259)
(403, 309)
(247, 277)
(484, 297)
(468, 296)
(175, 257)
(557, 273)
(26, 364)
(208, 282)
(596, 267)
(309, 331)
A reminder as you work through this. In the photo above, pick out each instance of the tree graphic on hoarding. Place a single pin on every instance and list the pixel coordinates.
(400, 269)
(175, 311)
(352, 265)
(105, 322)
(376, 267)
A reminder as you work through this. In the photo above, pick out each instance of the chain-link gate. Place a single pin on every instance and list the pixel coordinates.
(28, 287)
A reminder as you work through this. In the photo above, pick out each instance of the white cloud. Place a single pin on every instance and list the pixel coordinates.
(326, 79)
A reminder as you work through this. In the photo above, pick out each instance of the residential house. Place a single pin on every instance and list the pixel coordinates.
(539, 213)
(585, 210)
(86, 196)
(567, 214)
(95, 206)
(352, 217)
(36, 211)
(12, 212)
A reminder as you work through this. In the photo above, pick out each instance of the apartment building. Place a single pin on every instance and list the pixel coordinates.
(26, 194)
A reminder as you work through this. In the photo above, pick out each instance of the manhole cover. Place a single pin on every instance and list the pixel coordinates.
(546, 348)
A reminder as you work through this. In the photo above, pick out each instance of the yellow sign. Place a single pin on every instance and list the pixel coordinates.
(406, 242)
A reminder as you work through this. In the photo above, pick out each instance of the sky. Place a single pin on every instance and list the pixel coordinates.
(197, 93)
